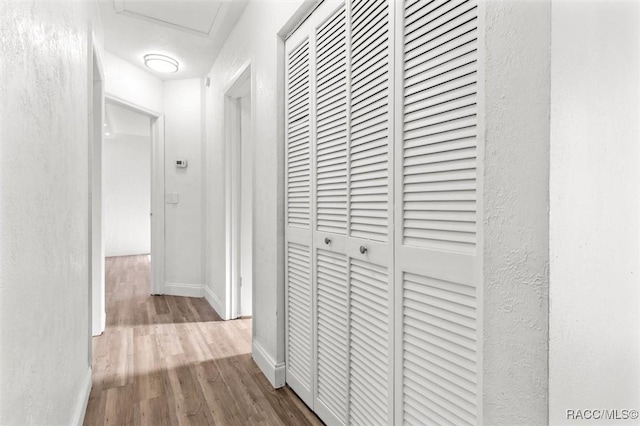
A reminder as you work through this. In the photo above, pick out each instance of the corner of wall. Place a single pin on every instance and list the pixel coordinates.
(184, 289)
(215, 302)
(516, 213)
(274, 372)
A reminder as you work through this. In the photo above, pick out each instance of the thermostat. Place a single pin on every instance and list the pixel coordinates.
(181, 163)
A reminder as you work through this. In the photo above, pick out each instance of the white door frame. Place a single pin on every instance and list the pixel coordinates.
(233, 168)
(298, 18)
(157, 191)
(95, 243)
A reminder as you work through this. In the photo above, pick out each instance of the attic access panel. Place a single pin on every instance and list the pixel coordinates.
(192, 16)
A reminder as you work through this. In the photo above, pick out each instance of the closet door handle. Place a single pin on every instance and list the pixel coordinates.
(327, 240)
(363, 249)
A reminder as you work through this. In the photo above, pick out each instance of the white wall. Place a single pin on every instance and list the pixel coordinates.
(127, 193)
(595, 209)
(127, 182)
(253, 39)
(127, 82)
(516, 227)
(184, 220)
(44, 286)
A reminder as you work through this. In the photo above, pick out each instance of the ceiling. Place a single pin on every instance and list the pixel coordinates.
(190, 31)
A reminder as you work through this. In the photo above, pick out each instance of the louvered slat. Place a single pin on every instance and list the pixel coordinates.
(439, 352)
(369, 132)
(332, 332)
(440, 118)
(331, 136)
(369, 347)
(299, 312)
(298, 137)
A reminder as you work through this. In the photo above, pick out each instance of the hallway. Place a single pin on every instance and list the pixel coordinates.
(166, 360)
(435, 204)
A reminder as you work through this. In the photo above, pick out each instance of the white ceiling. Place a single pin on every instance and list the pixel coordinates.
(191, 31)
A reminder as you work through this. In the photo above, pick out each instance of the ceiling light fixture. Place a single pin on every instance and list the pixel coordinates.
(161, 63)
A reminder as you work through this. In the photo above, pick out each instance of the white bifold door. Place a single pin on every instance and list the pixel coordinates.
(381, 201)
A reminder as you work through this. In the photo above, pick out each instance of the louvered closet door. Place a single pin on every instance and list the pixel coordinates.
(353, 129)
(370, 213)
(382, 319)
(300, 352)
(331, 195)
(437, 198)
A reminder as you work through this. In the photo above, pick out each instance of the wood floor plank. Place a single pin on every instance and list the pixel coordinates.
(154, 412)
(224, 407)
(166, 360)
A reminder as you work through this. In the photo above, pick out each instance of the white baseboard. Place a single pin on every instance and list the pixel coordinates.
(186, 290)
(122, 253)
(275, 373)
(80, 409)
(215, 302)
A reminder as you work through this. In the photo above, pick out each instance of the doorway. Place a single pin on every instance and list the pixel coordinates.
(127, 182)
(240, 178)
(157, 211)
(96, 198)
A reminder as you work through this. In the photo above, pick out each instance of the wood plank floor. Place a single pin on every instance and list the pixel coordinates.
(167, 360)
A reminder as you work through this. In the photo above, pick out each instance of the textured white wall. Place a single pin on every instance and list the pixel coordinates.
(516, 204)
(127, 82)
(183, 221)
(44, 316)
(253, 39)
(181, 103)
(127, 194)
(595, 209)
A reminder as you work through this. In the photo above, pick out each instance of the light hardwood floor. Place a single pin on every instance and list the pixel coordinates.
(166, 360)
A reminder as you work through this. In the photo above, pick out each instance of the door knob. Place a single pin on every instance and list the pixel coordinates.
(363, 249)
(327, 240)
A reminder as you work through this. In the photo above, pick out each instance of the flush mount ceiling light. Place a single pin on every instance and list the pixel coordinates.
(161, 63)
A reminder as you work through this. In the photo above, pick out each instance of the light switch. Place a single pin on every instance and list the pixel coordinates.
(171, 198)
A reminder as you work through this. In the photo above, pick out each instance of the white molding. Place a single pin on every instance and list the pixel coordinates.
(239, 78)
(214, 301)
(130, 105)
(298, 18)
(274, 372)
(80, 409)
(127, 253)
(95, 110)
(233, 91)
(185, 290)
(158, 223)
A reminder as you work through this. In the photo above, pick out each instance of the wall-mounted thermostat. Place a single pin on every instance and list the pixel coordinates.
(181, 163)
